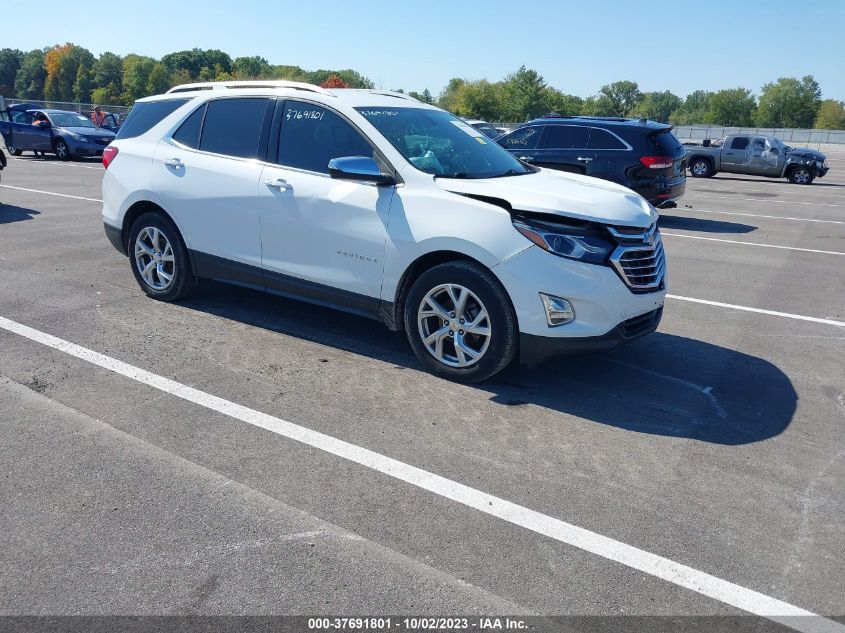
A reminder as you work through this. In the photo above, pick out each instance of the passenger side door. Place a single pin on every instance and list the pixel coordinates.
(320, 237)
(761, 160)
(735, 155)
(611, 156)
(41, 137)
(524, 143)
(566, 147)
(21, 127)
(207, 176)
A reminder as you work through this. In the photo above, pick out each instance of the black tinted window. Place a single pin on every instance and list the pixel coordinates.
(739, 142)
(188, 133)
(145, 115)
(311, 136)
(602, 139)
(524, 138)
(567, 137)
(667, 143)
(233, 127)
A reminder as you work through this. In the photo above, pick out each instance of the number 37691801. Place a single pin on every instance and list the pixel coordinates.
(315, 115)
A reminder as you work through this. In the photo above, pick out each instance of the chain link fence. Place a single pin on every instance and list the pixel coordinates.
(82, 108)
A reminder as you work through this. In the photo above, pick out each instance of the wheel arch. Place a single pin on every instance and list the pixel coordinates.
(135, 211)
(391, 313)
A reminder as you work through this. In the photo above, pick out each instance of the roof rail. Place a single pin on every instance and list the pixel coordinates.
(393, 93)
(251, 83)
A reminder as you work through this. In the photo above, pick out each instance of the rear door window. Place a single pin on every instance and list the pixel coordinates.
(233, 127)
(567, 137)
(602, 139)
(145, 115)
(739, 142)
(311, 136)
(524, 138)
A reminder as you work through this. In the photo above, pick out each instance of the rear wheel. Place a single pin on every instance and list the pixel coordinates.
(801, 176)
(159, 258)
(700, 168)
(62, 150)
(460, 322)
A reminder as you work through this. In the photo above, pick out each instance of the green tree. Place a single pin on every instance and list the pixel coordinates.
(82, 86)
(196, 59)
(622, 96)
(107, 95)
(108, 69)
(658, 106)
(693, 110)
(253, 67)
(29, 82)
(159, 80)
(789, 103)
(831, 115)
(351, 78)
(136, 77)
(598, 105)
(448, 99)
(557, 101)
(479, 99)
(62, 64)
(734, 107)
(523, 95)
(10, 62)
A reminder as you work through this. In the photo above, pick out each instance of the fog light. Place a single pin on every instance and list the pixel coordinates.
(558, 310)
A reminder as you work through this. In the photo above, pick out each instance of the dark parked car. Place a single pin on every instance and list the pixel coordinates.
(66, 134)
(642, 155)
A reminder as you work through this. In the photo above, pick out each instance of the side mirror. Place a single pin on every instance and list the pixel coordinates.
(359, 169)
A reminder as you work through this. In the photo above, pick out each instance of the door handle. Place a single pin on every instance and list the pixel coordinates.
(584, 159)
(527, 159)
(173, 162)
(278, 183)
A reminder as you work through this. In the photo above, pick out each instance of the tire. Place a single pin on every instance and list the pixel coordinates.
(801, 176)
(61, 150)
(700, 168)
(14, 151)
(161, 261)
(442, 284)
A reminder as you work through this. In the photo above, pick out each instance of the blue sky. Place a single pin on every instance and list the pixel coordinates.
(576, 46)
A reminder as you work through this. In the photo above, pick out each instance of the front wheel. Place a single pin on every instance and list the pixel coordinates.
(801, 176)
(700, 168)
(159, 258)
(460, 322)
(62, 150)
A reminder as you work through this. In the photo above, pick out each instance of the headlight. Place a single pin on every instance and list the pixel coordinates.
(572, 242)
(78, 137)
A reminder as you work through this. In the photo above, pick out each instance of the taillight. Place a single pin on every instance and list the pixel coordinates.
(109, 155)
(657, 162)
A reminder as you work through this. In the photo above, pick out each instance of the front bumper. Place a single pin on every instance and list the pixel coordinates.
(534, 349)
(821, 169)
(601, 300)
(77, 148)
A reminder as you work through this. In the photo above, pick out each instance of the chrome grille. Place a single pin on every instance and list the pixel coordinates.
(641, 267)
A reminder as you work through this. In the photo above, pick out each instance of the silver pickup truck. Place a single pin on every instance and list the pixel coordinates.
(758, 156)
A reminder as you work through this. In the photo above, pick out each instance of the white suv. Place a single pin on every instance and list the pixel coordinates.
(375, 203)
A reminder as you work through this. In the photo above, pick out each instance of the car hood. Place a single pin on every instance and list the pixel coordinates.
(562, 194)
(87, 131)
(806, 152)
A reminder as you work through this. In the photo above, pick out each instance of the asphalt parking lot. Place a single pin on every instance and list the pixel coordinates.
(717, 443)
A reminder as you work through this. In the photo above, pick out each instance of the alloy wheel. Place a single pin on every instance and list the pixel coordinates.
(154, 258)
(454, 325)
(699, 168)
(802, 176)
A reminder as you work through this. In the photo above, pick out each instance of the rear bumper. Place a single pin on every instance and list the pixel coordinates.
(534, 349)
(115, 236)
(660, 190)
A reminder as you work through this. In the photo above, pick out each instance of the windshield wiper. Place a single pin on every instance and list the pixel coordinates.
(457, 174)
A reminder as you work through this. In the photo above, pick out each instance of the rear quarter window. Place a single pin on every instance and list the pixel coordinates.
(147, 114)
(602, 139)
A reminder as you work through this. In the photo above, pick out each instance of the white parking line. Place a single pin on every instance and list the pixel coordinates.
(51, 193)
(608, 548)
(732, 306)
(718, 239)
(734, 198)
(60, 164)
(772, 217)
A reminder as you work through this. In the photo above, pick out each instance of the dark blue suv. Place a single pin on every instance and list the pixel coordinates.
(639, 154)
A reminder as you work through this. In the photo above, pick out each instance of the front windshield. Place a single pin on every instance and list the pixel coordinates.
(69, 119)
(439, 143)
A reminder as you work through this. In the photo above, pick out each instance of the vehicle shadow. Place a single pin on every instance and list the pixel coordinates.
(10, 213)
(818, 182)
(662, 384)
(702, 225)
